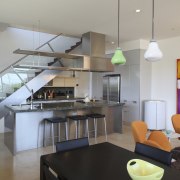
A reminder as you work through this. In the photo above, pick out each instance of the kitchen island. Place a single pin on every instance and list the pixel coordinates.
(24, 125)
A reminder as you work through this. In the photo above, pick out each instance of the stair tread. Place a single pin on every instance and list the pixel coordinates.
(74, 46)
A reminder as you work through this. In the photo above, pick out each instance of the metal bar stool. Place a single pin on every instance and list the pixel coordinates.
(77, 119)
(96, 116)
(55, 120)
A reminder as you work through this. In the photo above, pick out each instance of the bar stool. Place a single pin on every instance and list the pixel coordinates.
(55, 120)
(96, 116)
(77, 119)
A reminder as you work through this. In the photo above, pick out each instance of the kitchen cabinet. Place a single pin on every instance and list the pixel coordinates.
(69, 82)
(64, 82)
(57, 81)
(130, 91)
(130, 111)
(135, 84)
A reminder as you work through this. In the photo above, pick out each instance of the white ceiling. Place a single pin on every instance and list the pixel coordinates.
(75, 17)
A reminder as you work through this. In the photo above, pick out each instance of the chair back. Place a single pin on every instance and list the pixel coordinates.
(139, 129)
(161, 139)
(71, 144)
(176, 122)
(154, 153)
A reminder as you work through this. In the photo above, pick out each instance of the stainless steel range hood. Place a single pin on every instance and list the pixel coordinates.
(91, 55)
(93, 49)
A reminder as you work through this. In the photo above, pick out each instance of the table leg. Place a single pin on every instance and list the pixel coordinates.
(42, 175)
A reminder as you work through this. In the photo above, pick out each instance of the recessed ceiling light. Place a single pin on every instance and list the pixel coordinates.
(112, 42)
(138, 10)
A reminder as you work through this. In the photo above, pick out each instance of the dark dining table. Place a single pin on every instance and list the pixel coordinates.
(103, 161)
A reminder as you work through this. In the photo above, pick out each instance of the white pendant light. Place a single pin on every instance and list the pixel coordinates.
(118, 57)
(153, 53)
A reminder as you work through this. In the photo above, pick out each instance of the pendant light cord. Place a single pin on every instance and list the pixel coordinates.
(118, 20)
(153, 19)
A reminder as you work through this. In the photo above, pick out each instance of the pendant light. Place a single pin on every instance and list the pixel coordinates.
(118, 57)
(153, 53)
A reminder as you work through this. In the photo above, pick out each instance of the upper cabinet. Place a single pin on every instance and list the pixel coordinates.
(69, 82)
(58, 82)
(64, 82)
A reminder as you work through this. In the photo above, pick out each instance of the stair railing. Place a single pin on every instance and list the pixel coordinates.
(46, 43)
(4, 71)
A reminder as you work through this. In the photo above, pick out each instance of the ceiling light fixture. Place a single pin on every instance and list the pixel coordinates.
(153, 53)
(118, 57)
(138, 10)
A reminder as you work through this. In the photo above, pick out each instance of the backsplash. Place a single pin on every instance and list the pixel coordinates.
(54, 92)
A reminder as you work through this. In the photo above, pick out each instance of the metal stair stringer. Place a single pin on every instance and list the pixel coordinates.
(23, 93)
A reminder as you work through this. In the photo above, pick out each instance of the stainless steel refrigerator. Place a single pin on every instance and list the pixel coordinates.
(111, 87)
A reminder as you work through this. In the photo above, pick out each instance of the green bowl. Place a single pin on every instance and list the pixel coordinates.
(142, 170)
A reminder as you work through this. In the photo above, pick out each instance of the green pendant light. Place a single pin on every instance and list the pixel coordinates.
(118, 57)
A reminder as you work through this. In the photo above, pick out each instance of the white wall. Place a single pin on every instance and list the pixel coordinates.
(12, 39)
(164, 76)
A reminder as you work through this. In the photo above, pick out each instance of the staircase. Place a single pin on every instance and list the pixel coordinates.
(74, 46)
(16, 84)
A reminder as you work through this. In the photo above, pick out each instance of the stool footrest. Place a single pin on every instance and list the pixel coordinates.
(95, 115)
(56, 120)
(78, 117)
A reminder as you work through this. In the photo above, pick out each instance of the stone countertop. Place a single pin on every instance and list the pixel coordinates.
(57, 99)
(59, 106)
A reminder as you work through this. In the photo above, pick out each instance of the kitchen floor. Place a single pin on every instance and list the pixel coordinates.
(26, 165)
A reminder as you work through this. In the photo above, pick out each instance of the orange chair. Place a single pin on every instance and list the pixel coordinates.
(156, 138)
(176, 122)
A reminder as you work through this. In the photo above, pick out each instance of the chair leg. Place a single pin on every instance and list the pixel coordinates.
(76, 129)
(95, 130)
(39, 125)
(87, 128)
(52, 134)
(105, 129)
(44, 134)
(79, 129)
(59, 132)
(66, 126)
